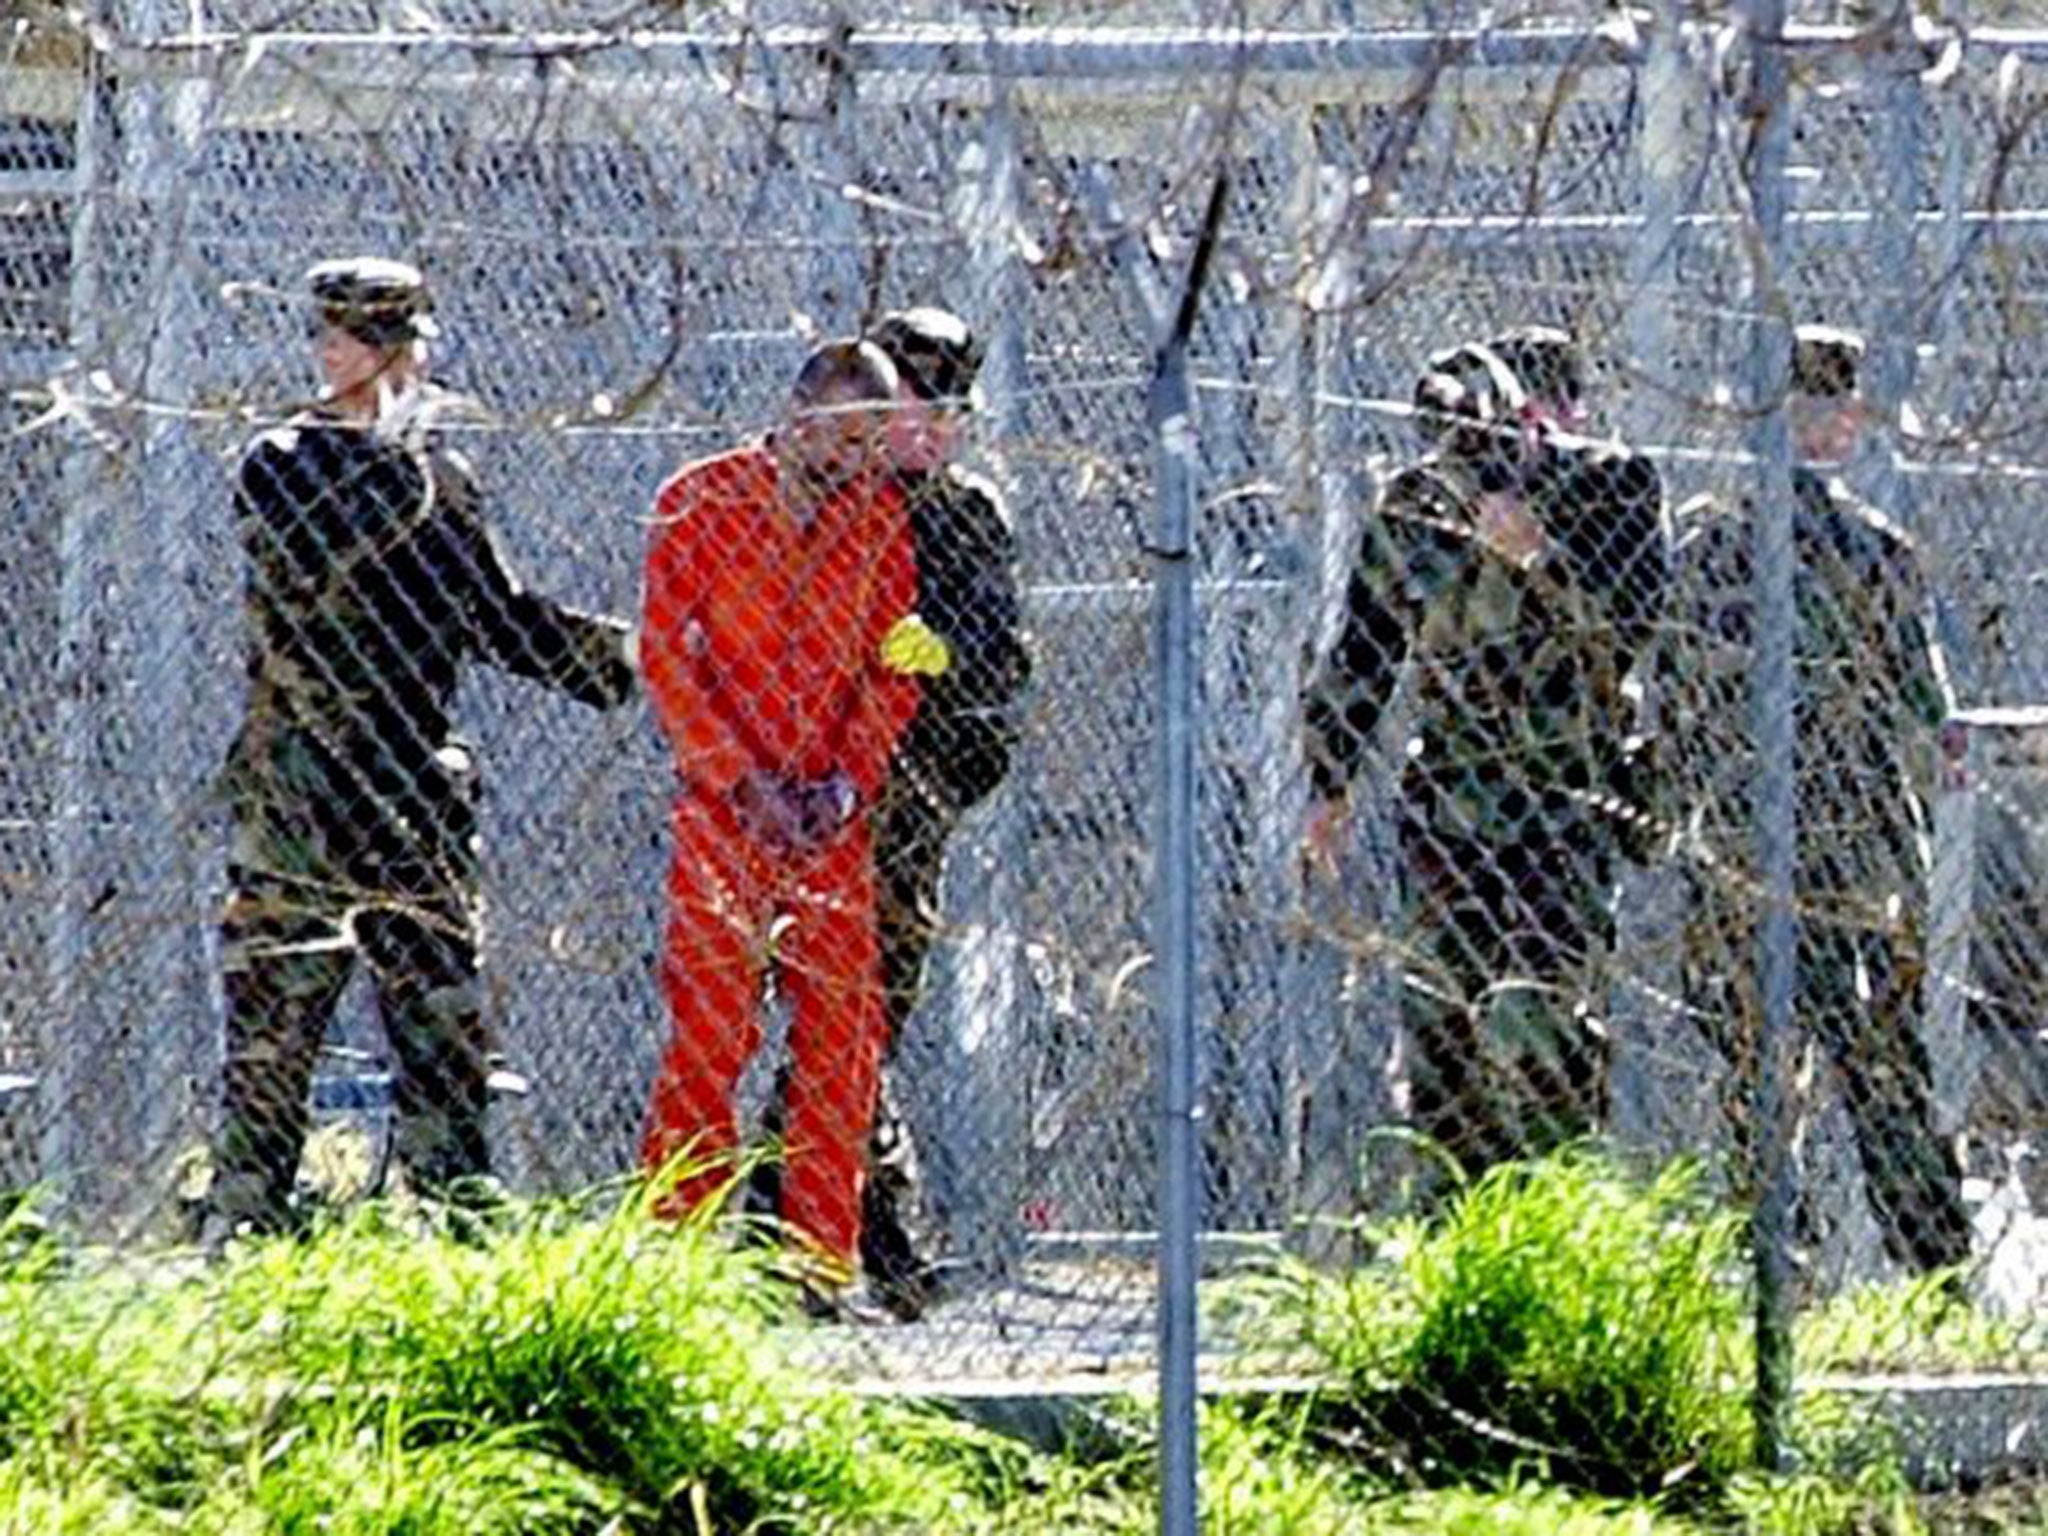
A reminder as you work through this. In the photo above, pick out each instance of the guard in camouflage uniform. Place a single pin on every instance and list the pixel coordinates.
(958, 745)
(371, 579)
(952, 756)
(1602, 506)
(1484, 594)
(1871, 696)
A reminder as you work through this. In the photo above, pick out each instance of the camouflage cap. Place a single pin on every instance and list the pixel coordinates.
(374, 299)
(1545, 361)
(1825, 361)
(934, 349)
(1470, 383)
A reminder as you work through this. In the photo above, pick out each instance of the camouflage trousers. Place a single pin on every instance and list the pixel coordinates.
(1858, 991)
(1502, 998)
(292, 933)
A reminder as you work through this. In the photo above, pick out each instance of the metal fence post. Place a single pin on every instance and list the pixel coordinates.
(1651, 1070)
(1335, 1083)
(1171, 415)
(123, 1018)
(1893, 76)
(1653, 264)
(1768, 113)
(1952, 914)
(1976, 649)
(1303, 1002)
(169, 1019)
(1173, 843)
(839, 292)
(977, 1157)
(65, 1046)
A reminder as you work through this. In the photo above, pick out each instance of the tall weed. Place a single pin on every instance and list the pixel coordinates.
(381, 1377)
(1558, 1313)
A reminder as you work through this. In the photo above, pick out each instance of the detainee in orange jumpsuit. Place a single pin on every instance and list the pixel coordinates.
(780, 587)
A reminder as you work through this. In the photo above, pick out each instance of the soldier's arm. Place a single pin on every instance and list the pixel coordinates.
(1929, 690)
(277, 515)
(1925, 697)
(580, 654)
(1708, 594)
(1706, 607)
(1342, 706)
(983, 621)
(1642, 544)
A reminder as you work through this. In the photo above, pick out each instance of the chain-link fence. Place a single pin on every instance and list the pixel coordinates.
(1510, 740)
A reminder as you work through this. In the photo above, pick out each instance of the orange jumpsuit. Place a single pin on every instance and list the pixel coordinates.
(761, 651)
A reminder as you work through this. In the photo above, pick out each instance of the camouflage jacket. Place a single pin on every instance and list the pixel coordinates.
(1870, 691)
(1516, 668)
(371, 579)
(961, 737)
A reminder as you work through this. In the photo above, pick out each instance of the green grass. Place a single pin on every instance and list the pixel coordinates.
(565, 1375)
(1914, 1326)
(1563, 1349)
(1556, 1314)
(1527, 1512)
(1566, 1330)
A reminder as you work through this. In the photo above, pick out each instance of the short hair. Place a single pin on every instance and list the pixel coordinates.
(845, 370)
(1826, 362)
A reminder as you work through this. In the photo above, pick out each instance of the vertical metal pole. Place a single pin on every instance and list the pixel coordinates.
(1976, 650)
(1773, 684)
(978, 1170)
(836, 277)
(1648, 1092)
(1334, 1082)
(1280, 784)
(1970, 607)
(1893, 78)
(1952, 890)
(124, 1002)
(1171, 414)
(1000, 286)
(1653, 265)
(1173, 648)
(168, 1021)
(67, 1047)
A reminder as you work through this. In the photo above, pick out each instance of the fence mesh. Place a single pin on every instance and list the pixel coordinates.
(334, 798)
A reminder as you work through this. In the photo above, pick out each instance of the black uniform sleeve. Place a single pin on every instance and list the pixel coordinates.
(975, 602)
(582, 655)
(1925, 694)
(1604, 505)
(287, 514)
(1342, 705)
(267, 489)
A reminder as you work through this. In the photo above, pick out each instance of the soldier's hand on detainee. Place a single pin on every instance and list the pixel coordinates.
(915, 649)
